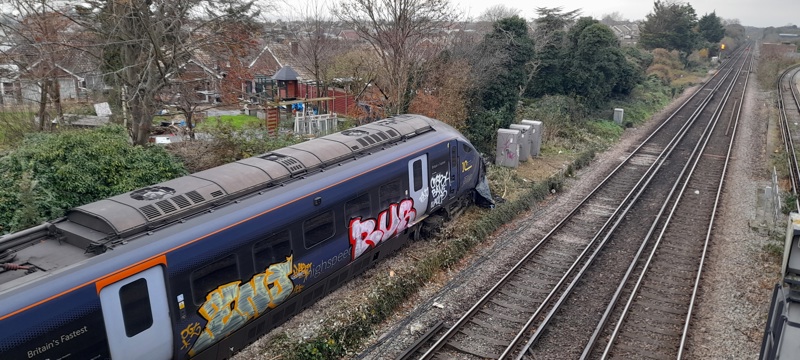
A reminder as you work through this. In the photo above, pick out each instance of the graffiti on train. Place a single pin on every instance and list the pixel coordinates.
(439, 184)
(231, 305)
(365, 234)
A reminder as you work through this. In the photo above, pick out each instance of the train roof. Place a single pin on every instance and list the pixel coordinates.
(94, 228)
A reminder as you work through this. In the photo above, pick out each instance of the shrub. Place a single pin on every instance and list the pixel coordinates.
(50, 173)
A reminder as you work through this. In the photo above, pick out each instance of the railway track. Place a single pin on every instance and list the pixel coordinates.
(658, 293)
(789, 109)
(505, 321)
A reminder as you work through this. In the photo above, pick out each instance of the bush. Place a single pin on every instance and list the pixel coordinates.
(50, 173)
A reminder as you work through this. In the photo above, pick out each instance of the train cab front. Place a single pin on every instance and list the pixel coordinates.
(473, 174)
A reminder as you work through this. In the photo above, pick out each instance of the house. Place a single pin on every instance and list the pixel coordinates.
(348, 35)
(76, 72)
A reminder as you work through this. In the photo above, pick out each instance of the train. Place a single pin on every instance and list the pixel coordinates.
(782, 329)
(202, 265)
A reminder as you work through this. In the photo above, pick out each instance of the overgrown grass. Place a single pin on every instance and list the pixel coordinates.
(14, 125)
(338, 339)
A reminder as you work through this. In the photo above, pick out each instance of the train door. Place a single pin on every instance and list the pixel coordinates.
(136, 316)
(454, 167)
(418, 183)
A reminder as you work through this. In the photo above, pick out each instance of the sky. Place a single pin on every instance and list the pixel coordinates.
(759, 13)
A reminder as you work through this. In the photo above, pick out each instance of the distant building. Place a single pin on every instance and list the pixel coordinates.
(772, 49)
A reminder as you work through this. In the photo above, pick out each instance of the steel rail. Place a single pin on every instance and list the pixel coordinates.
(647, 264)
(786, 133)
(537, 334)
(713, 214)
(447, 335)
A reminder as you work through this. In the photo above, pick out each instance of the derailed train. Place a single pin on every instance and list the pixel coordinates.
(202, 265)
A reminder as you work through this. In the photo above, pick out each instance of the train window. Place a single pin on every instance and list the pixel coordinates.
(357, 208)
(272, 250)
(135, 302)
(212, 276)
(318, 229)
(390, 193)
(417, 168)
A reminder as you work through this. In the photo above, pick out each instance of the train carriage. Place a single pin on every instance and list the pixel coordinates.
(202, 265)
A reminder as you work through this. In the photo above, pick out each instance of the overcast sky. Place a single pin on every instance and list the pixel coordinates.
(760, 13)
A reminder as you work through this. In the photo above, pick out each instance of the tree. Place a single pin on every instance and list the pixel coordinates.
(53, 172)
(317, 48)
(144, 42)
(41, 43)
(710, 28)
(613, 18)
(548, 67)
(598, 67)
(670, 26)
(496, 101)
(402, 33)
(497, 12)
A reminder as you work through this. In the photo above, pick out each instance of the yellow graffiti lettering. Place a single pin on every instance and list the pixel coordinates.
(189, 333)
(231, 305)
(465, 166)
(278, 283)
(302, 270)
(298, 289)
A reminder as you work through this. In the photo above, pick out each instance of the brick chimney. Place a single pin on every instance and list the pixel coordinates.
(294, 48)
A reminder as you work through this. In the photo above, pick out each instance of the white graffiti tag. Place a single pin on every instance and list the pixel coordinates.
(423, 195)
(439, 184)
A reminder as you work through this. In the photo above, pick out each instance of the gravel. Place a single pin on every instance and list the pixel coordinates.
(730, 312)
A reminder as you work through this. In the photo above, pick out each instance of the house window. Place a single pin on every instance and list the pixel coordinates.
(8, 88)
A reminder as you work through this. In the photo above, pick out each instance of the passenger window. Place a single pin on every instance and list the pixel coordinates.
(136, 312)
(358, 207)
(390, 193)
(318, 229)
(213, 276)
(272, 250)
(417, 168)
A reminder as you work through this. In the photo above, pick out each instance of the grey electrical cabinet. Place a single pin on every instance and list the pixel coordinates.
(536, 136)
(525, 132)
(507, 148)
(618, 114)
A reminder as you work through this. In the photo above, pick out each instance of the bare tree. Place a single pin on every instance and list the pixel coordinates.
(402, 33)
(144, 42)
(614, 18)
(317, 47)
(39, 42)
(498, 12)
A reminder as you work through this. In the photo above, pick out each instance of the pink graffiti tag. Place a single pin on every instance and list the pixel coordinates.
(366, 234)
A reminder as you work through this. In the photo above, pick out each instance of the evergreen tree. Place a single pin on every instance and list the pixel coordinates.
(710, 28)
(495, 103)
(670, 26)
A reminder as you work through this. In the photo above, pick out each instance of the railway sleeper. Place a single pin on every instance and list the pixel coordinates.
(468, 350)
